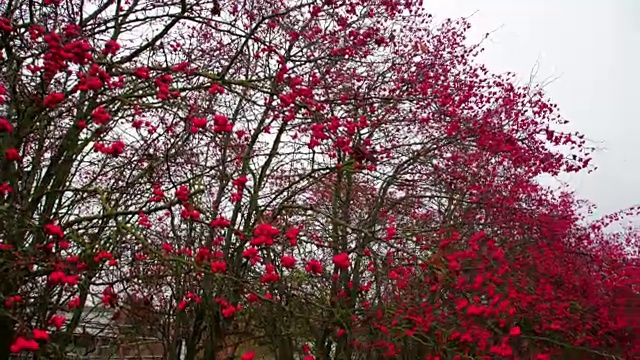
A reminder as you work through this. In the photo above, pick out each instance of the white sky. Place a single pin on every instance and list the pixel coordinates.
(592, 49)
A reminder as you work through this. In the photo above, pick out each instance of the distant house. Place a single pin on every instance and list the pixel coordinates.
(107, 334)
(101, 335)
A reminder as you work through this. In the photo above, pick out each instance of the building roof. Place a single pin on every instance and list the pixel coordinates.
(95, 321)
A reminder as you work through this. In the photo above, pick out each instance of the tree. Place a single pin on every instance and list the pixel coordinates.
(336, 180)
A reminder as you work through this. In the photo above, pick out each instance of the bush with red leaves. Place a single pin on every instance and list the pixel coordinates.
(317, 180)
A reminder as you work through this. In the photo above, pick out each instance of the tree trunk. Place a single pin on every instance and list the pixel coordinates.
(6, 329)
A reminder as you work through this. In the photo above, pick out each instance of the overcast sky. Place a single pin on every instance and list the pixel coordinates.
(592, 50)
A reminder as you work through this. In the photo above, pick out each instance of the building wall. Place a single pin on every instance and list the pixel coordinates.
(143, 350)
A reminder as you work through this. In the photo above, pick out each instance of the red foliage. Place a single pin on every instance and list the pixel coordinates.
(340, 180)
